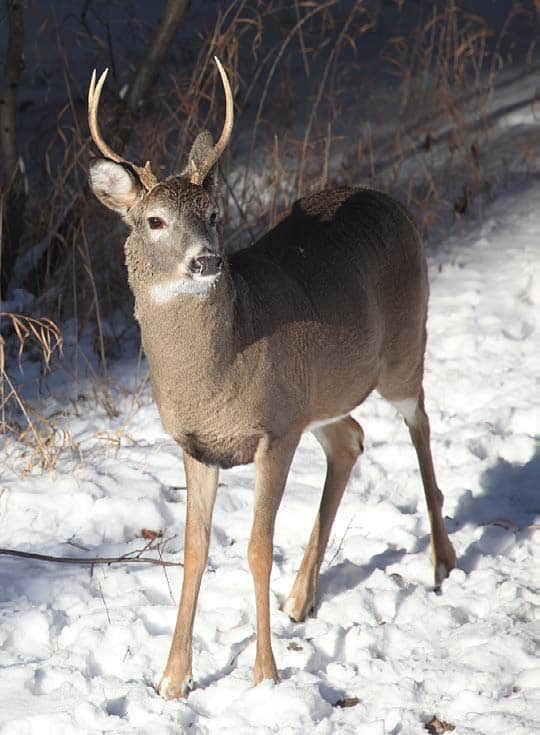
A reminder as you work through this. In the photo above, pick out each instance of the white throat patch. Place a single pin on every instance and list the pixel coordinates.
(166, 291)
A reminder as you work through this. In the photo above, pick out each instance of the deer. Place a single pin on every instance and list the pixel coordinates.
(247, 351)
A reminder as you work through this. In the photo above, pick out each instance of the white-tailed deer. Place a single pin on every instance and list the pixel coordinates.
(248, 351)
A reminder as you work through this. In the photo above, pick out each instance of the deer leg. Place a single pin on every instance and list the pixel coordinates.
(342, 443)
(177, 680)
(443, 554)
(272, 461)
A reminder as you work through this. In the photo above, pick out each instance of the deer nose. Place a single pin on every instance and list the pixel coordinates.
(207, 265)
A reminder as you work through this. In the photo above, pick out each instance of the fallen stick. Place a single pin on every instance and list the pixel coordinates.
(91, 560)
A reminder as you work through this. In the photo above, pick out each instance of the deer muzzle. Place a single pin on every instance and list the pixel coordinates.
(207, 265)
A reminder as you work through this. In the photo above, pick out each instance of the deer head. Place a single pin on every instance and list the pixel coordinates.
(174, 237)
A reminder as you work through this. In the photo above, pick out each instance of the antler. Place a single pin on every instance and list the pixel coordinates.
(200, 172)
(148, 180)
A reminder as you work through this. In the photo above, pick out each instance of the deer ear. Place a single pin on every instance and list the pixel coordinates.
(114, 185)
(200, 151)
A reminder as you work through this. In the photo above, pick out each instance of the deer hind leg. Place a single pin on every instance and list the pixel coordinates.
(342, 442)
(443, 554)
(272, 461)
(177, 680)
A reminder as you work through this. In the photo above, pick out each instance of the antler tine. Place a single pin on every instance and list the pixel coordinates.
(94, 95)
(146, 176)
(199, 175)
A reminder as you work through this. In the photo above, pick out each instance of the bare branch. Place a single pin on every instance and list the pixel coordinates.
(91, 560)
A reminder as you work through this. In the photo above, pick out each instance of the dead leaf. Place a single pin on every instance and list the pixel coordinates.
(151, 535)
(438, 727)
(292, 646)
(347, 702)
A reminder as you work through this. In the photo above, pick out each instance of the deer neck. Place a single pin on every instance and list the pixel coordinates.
(188, 338)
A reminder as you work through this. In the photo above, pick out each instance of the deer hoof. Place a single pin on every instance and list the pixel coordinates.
(169, 690)
(259, 677)
(298, 610)
(443, 569)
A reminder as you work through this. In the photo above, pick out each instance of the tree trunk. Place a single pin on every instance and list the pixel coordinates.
(155, 52)
(13, 186)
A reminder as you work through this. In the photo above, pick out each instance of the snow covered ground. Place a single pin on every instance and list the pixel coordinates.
(82, 648)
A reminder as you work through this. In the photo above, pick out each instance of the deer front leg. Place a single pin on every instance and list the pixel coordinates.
(272, 461)
(342, 442)
(177, 680)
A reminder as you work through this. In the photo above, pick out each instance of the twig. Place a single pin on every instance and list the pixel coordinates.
(166, 577)
(91, 559)
(349, 524)
(104, 602)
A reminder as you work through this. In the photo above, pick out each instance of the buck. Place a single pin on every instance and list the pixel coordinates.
(248, 351)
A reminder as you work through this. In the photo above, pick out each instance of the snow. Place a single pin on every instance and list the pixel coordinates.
(82, 648)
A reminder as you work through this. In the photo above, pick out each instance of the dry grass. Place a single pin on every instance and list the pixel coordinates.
(36, 431)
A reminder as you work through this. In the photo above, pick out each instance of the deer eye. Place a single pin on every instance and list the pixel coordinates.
(156, 223)
(213, 218)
